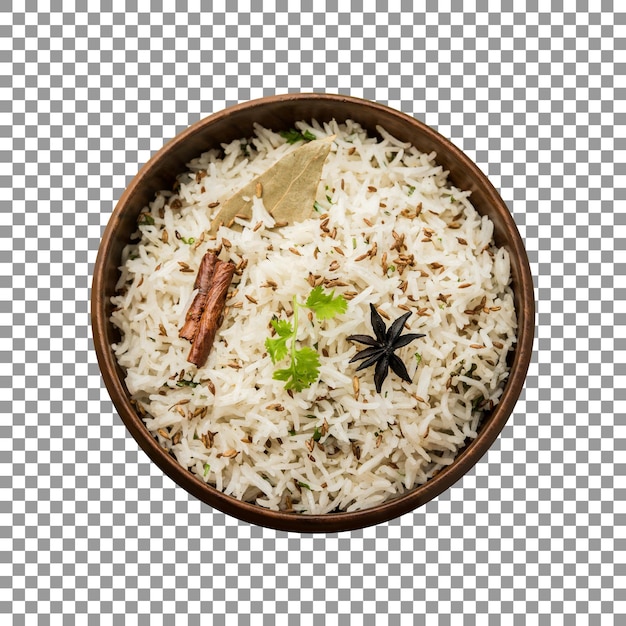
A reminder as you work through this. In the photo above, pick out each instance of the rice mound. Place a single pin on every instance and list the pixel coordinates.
(234, 426)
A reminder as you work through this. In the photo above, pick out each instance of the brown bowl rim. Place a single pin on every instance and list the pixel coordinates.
(331, 522)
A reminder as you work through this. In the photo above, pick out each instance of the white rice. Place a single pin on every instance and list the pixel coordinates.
(376, 445)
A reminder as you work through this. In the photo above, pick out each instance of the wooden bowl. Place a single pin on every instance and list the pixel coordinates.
(280, 113)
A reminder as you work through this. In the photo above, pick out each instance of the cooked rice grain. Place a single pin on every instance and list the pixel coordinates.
(426, 250)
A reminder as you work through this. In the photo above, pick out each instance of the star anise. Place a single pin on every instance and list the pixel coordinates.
(382, 348)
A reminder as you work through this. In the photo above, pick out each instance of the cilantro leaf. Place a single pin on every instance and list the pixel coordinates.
(325, 306)
(277, 346)
(304, 366)
(303, 370)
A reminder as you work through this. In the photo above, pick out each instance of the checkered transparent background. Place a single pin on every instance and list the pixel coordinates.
(536, 533)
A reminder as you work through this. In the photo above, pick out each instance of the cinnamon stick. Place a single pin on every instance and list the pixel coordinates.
(202, 284)
(210, 319)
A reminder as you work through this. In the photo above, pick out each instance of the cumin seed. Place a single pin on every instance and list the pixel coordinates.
(383, 263)
(212, 205)
(251, 299)
(199, 241)
(180, 403)
(294, 251)
(383, 313)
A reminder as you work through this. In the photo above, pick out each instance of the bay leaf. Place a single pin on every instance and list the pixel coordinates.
(289, 187)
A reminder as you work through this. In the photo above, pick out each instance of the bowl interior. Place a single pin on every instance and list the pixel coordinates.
(280, 113)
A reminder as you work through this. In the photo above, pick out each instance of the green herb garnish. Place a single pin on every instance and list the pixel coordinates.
(318, 207)
(145, 219)
(411, 190)
(292, 432)
(188, 241)
(186, 383)
(317, 435)
(207, 469)
(303, 485)
(325, 305)
(304, 365)
(293, 136)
